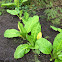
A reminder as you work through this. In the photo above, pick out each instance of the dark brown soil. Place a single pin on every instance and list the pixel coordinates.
(8, 46)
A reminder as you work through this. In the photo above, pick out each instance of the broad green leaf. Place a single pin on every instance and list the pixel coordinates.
(57, 44)
(13, 12)
(57, 60)
(8, 4)
(44, 45)
(60, 56)
(31, 21)
(10, 33)
(35, 30)
(21, 28)
(21, 50)
(56, 29)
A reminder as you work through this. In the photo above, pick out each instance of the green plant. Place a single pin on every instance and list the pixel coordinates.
(28, 22)
(46, 47)
(31, 24)
(17, 10)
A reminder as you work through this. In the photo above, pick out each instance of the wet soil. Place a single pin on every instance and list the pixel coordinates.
(8, 46)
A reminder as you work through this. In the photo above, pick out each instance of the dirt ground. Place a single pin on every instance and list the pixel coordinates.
(8, 46)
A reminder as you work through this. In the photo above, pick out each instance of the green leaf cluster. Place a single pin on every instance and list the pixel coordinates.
(21, 50)
(31, 24)
(16, 5)
(46, 47)
(57, 45)
(16, 12)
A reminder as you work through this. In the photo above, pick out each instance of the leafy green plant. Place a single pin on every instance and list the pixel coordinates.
(31, 24)
(46, 47)
(54, 50)
(19, 13)
(17, 10)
